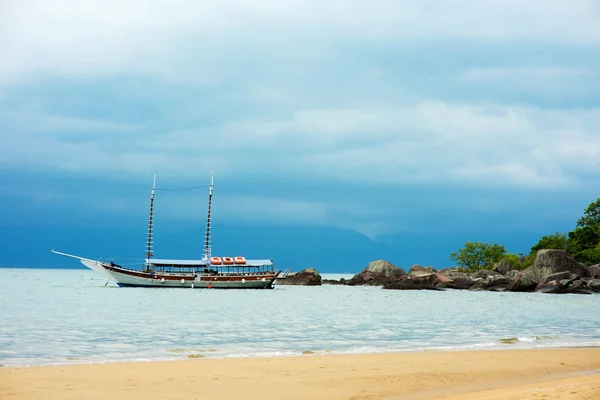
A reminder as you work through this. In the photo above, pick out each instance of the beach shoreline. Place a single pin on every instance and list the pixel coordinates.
(567, 372)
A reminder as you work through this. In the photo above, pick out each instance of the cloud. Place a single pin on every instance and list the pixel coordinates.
(362, 94)
(427, 143)
(203, 42)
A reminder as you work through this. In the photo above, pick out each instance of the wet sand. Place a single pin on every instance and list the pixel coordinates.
(485, 375)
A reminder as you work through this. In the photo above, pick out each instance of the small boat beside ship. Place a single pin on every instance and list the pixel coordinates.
(229, 272)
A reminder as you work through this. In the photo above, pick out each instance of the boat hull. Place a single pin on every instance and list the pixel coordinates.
(132, 278)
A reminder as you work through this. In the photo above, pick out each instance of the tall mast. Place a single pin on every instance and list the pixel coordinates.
(207, 247)
(150, 242)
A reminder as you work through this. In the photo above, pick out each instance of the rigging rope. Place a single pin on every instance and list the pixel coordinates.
(180, 190)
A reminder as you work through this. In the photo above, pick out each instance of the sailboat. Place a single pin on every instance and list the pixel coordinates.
(228, 272)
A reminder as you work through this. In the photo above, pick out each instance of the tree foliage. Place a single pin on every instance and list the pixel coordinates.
(591, 216)
(514, 260)
(584, 244)
(557, 241)
(478, 255)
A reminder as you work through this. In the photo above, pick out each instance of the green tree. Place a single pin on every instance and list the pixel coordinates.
(514, 260)
(478, 255)
(591, 216)
(584, 241)
(584, 244)
(557, 241)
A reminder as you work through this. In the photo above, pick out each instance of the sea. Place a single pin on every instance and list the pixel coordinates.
(53, 317)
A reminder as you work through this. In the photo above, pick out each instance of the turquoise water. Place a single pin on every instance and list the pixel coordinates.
(70, 316)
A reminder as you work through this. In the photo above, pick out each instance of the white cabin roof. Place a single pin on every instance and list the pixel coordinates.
(249, 263)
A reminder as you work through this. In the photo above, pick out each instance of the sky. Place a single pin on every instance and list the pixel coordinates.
(340, 131)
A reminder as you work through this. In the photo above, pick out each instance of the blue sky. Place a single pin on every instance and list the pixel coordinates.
(402, 128)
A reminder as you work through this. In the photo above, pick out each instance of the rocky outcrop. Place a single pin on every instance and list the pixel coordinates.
(377, 273)
(306, 277)
(553, 271)
(548, 262)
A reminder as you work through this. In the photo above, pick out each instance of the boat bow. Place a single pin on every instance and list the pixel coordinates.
(91, 264)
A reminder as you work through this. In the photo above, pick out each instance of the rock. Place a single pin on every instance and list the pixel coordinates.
(560, 287)
(331, 282)
(546, 263)
(557, 276)
(497, 281)
(306, 277)
(594, 271)
(503, 267)
(548, 287)
(565, 282)
(578, 284)
(417, 269)
(484, 274)
(521, 283)
(594, 285)
(458, 282)
(479, 285)
(512, 274)
(377, 273)
(418, 282)
(449, 271)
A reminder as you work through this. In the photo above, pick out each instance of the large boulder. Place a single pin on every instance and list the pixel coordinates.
(546, 263)
(522, 282)
(306, 277)
(594, 271)
(417, 269)
(503, 267)
(378, 273)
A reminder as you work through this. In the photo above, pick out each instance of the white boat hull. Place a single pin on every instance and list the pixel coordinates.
(132, 278)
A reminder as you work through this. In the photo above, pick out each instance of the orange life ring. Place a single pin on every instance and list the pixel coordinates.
(227, 260)
(239, 260)
(216, 261)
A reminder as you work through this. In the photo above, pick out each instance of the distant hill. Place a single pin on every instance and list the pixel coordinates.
(328, 249)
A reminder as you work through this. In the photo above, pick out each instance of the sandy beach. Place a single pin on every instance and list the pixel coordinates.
(505, 374)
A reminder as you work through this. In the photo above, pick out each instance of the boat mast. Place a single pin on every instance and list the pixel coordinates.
(150, 242)
(207, 247)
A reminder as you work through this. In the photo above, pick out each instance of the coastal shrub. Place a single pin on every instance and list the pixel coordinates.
(558, 241)
(513, 259)
(584, 240)
(475, 256)
(528, 261)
